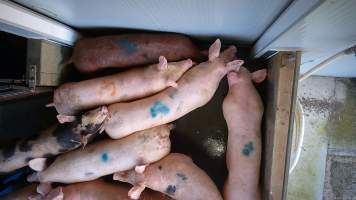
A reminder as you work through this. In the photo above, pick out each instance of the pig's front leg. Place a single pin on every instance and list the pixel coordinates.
(243, 110)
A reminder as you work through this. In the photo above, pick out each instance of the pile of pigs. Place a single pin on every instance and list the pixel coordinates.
(134, 108)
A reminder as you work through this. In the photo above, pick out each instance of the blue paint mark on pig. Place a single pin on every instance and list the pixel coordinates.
(104, 157)
(157, 108)
(248, 149)
(127, 46)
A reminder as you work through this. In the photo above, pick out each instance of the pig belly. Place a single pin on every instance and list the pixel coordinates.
(92, 54)
(109, 156)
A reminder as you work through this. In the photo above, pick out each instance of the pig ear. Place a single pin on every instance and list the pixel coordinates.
(140, 168)
(214, 50)
(38, 164)
(50, 105)
(135, 191)
(162, 63)
(259, 76)
(65, 118)
(234, 65)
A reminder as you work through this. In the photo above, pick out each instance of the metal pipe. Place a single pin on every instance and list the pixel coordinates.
(348, 51)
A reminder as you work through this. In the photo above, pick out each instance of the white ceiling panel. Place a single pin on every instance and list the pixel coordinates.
(243, 20)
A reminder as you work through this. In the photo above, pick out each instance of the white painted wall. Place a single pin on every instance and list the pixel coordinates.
(242, 20)
(328, 29)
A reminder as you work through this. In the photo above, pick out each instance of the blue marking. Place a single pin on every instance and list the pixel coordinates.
(248, 149)
(12, 178)
(158, 107)
(104, 157)
(6, 191)
(128, 46)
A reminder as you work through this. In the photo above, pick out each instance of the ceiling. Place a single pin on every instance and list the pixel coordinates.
(242, 20)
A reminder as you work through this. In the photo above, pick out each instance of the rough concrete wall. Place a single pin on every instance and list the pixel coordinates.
(330, 124)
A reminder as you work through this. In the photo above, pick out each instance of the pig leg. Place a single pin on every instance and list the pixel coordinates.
(135, 191)
(243, 110)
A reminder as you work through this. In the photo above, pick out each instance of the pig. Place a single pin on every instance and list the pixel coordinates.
(243, 111)
(55, 140)
(175, 175)
(106, 157)
(95, 190)
(195, 88)
(92, 54)
(71, 98)
(23, 193)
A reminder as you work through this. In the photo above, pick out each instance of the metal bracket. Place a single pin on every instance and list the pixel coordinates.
(32, 77)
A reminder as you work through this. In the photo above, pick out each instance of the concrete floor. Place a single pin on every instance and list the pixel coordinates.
(327, 164)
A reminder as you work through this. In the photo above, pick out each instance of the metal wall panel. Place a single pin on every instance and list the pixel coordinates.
(243, 20)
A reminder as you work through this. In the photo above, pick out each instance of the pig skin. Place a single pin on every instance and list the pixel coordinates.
(55, 140)
(92, 54)
(107, 157)
(71, 98)
(176, 176)
(195, 88)
(96, 190)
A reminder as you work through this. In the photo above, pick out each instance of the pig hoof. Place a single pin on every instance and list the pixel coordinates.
(140, 168)
(135, 191)
(64, 118)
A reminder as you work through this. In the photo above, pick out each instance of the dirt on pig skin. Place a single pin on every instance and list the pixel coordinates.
(176, 176)
(107, 156)
(195, 88)
(55, 140)
(92, 54)
(71, 98)
(96, 190)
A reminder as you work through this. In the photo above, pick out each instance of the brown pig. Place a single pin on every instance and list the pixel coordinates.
(92, 54)
(196, 87)
(95, 190)
(54, 140)
(71, 98)
(176, 176)
(106, 157)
